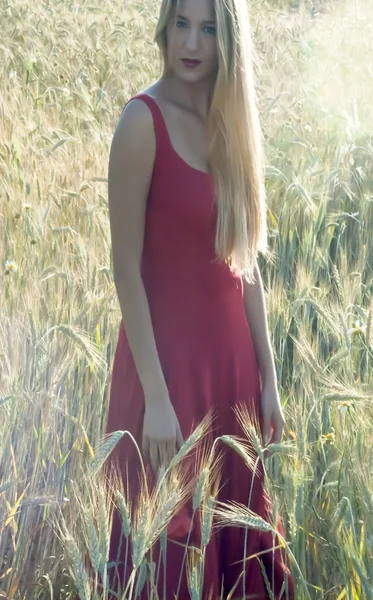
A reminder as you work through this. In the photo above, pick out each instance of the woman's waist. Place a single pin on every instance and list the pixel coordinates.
(199, 304)
(205, 277)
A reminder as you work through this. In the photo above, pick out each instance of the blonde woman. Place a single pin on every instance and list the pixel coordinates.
(188, 218)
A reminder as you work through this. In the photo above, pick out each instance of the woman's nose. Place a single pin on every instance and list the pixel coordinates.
(192, 40)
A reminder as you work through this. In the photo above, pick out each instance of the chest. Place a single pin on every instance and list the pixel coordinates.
(187, 134)
(182, 199)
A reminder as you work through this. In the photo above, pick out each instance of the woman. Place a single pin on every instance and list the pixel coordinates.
(187, 217)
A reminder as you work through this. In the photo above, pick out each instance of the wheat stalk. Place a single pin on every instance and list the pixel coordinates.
(207, 518)
(194, 573)
(104, 528)
(77, 568)
(163, 516)
(338, 282)
(251, 426)
(125, 513)
(368, 331)
(92, 540)
(238, 514)
(139, 534)
(339, 513)
(200, 490)
(197, 434)
(103, 451)
(266, 581)
(141, 579)
(243, 450)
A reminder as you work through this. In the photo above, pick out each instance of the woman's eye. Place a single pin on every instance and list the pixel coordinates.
(180, 23)
(211, 30)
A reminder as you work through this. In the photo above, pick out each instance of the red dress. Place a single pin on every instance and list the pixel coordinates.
(207, 355)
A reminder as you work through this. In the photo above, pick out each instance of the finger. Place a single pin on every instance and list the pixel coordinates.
(163, 453)
(266, 428)
(278, 430)
(153, 455)
(160, 453)
(170, 451)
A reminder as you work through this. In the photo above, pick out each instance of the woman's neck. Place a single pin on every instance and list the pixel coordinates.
(193, 97)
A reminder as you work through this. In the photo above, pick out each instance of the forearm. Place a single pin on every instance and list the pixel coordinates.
(256, 315)
(139, 330)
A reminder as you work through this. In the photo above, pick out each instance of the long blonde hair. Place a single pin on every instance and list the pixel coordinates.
(236, 155)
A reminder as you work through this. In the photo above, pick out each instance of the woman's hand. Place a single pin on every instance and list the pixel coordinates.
(273, 417)
(162, 435)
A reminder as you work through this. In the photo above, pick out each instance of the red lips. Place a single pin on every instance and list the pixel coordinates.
(190, 63)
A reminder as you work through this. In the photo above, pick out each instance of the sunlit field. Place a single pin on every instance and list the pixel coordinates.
(67, 69)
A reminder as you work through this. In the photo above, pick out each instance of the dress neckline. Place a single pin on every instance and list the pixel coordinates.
(203, 173)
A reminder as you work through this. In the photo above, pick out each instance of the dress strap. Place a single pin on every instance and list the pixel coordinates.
(160, 128)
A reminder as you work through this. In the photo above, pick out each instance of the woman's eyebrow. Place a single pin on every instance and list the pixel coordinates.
(204, 22)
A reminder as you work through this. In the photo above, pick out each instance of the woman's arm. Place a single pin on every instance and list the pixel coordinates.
(257, 319)
(273, 418)
(131, 163)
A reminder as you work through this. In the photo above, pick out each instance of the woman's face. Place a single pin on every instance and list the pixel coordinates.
(191, 34)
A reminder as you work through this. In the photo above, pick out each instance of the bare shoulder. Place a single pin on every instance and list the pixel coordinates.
(133, 144)
(135, 119)
(134, 132)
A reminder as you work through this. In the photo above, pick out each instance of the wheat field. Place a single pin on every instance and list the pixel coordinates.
(66, 70)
